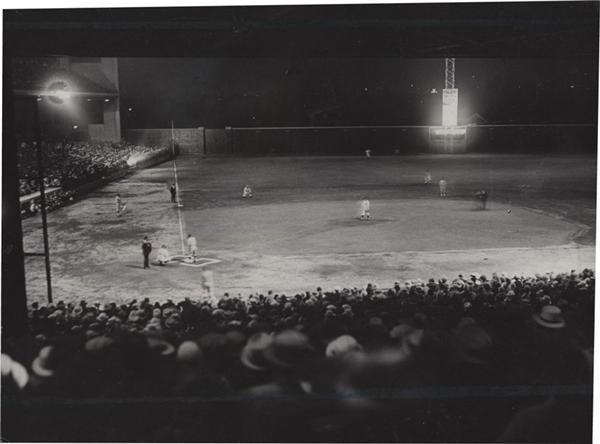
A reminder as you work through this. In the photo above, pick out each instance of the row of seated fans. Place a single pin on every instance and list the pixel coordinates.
(70, 164)
(327, 357)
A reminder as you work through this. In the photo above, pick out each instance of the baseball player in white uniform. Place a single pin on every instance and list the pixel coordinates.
(247, 192)
(365, 209)
(192, 246)
(121, 207)
(443, 187)
(162, 256)
(208, 284)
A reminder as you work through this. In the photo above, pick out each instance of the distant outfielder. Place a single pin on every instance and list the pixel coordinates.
(367, 153)
(482, 196)
(247, 192)
(443, 187)
(365, 209)
(121, 207)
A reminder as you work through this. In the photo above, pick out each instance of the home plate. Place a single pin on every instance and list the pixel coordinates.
(199, 262)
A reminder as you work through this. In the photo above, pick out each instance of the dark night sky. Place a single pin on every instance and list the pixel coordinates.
(219, 92)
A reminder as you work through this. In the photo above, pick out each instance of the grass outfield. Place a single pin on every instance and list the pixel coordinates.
(300, 229)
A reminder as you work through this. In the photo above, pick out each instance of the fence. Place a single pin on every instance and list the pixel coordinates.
(381, 140)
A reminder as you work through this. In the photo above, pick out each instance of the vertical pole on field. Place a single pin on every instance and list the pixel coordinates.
(173, 138)
(38, 140)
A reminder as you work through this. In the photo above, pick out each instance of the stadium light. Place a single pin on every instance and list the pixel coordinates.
(451, 131)
(58, 92)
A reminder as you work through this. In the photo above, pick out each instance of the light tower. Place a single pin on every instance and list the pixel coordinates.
(450, 96)
(449, 78)
(449, 138)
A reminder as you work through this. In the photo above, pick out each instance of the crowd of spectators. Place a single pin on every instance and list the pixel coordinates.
(68, 165)
(350, 349)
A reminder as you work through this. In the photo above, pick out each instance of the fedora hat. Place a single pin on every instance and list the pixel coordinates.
(341, 345)
(161, 346)
(43, 365)
(289, 349)
(550, 316)
(252, 355)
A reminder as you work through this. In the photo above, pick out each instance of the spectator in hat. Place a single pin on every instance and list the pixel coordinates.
(342, 345)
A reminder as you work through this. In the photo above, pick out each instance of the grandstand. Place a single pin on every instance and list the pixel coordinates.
(267, 309)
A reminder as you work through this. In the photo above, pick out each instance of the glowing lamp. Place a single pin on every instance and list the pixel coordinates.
(58, 92)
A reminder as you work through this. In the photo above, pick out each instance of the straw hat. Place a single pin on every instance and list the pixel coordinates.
(550, 316)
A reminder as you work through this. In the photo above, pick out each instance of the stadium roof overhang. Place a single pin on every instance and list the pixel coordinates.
(500, 29)
(47, 83)
(82, 94)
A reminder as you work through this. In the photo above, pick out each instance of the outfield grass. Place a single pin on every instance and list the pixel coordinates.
(300, 230)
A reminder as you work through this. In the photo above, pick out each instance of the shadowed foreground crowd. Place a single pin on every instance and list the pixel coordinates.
(421, 361)
(68, 165)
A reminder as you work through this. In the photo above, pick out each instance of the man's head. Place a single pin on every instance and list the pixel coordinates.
(145, 238)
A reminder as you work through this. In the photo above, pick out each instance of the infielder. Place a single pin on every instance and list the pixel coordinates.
(443, 187)
(247, 192)
(365, 209)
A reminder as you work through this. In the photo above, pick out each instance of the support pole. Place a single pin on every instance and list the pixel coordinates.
(173, 138)
(38, 139)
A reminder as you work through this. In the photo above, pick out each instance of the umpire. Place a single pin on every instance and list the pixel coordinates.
(146, 249)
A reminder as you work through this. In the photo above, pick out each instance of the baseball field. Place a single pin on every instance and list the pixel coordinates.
(300, 229)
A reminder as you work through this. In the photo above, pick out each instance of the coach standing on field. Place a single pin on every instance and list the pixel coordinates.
(173, 191)
(146, 249)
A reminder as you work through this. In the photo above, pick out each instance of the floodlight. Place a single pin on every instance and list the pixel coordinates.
(58, 92)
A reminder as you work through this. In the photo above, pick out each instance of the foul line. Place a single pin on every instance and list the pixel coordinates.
(179, 216)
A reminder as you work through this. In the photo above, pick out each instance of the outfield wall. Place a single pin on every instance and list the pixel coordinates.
(381, 140)
(535, 139)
